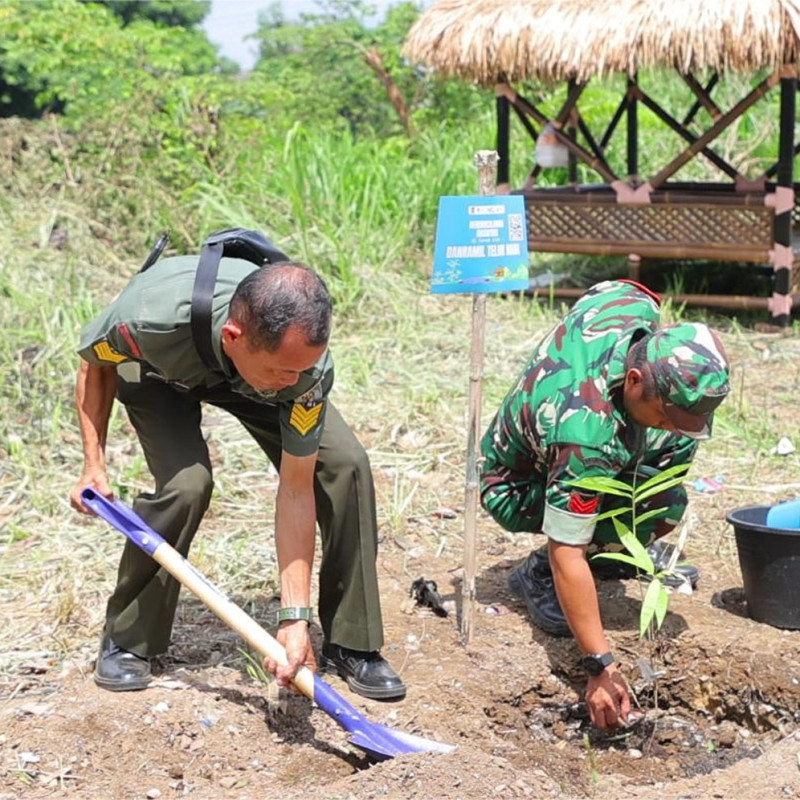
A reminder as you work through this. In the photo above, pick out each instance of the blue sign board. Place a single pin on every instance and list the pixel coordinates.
(481, 245)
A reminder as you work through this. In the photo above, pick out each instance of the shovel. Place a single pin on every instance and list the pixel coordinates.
(378, 741)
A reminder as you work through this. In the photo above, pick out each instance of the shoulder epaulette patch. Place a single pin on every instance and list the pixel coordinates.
(105, 352)
(304, 419)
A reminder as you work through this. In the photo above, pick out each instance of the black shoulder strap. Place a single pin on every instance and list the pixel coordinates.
(236, 243)
(202, 295)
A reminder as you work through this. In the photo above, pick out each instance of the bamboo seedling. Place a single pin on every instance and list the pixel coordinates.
(655, 601)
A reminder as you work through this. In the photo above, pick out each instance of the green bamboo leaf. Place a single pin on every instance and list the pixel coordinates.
(661, 605)
(621, 529)
(665, 475)
(649, 605)
(634, 547)
(612, 512)
(619, 557)
(611, 490)
(604, 485)
(611, 482)
(662, 487)
(653, 512)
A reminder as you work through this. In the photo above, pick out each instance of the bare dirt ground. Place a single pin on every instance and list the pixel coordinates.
(725, 726)
(722, 721)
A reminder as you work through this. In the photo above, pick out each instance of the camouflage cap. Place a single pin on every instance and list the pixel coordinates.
(690, 369)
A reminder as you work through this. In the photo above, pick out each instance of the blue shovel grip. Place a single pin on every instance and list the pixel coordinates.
(124, 519)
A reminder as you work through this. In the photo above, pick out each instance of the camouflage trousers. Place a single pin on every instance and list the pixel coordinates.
(523, 511)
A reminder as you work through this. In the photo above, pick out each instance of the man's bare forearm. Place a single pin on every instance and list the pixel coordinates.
(295, 528)
(577, 595)
(295, 520)
(94, 398)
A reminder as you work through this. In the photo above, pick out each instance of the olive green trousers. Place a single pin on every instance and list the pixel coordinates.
(141, 611)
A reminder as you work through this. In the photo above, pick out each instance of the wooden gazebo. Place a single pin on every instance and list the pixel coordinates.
(504, 43)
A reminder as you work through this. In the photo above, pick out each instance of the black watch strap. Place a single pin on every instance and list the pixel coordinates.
(595, 663)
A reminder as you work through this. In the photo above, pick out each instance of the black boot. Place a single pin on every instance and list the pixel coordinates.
(367, 674)
(118, 670)
(661, 552)
(532, 580)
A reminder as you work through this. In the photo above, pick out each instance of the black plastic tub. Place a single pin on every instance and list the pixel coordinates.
(770, 563)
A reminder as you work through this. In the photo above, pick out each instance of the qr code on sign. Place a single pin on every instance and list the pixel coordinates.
(515, 228)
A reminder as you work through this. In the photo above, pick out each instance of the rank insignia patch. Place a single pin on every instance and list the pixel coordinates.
(105, 352)
(304, 419)
(583, 504)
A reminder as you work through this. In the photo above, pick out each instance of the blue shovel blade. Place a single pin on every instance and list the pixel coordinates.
(383, 743)
(378, 741)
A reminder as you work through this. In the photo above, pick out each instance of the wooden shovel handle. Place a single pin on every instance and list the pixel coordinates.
(233, 616)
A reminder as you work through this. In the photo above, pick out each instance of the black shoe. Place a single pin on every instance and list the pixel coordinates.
(367, 674)
(532, 580)
(118, 670)
(661, 552)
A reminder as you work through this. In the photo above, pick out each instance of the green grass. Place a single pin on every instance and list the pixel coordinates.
(357, 209)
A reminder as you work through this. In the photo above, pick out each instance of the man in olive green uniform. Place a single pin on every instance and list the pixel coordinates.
(269, 334)
(607, 394)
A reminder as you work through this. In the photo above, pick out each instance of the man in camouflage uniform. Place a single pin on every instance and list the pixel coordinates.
(606, 394)
(269, 335)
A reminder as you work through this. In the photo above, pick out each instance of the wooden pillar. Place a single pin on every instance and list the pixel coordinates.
(632, 119)
(572, 133)
(781, 298)
(503, 143)
(632, 159)
(635, 268)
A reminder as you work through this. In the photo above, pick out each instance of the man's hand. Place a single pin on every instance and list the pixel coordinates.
(607, 699)
(92, 478)
(295, 639)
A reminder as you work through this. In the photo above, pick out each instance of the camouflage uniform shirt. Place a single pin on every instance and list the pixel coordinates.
(564, 419)
(146, 334)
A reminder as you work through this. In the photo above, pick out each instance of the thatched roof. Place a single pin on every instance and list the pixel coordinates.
(551, 40)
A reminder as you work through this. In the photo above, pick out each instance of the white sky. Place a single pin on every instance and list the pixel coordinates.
(231, 20)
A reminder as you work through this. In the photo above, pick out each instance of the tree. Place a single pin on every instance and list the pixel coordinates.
(177, 13)
(78, 56)
(338, 67)
(64, 54)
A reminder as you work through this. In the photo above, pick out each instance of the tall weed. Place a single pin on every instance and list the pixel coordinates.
(356, 208)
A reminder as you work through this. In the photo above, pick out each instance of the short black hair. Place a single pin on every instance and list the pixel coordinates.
(637, 359)
(276, 297)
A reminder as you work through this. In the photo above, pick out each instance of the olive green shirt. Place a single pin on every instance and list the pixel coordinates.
(149, 323)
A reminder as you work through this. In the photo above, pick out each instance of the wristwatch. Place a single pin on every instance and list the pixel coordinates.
(291, 613)
(595, 663)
